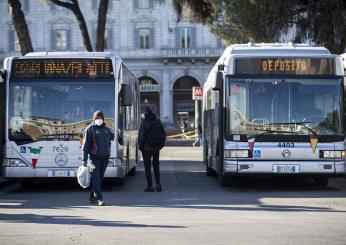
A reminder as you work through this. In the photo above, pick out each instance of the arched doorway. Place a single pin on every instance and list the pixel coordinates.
(183, 105)
(150, 94)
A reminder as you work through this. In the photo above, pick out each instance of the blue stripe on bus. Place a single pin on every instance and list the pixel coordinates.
(307, 146)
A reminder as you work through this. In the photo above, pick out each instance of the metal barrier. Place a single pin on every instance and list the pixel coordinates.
(186, 135)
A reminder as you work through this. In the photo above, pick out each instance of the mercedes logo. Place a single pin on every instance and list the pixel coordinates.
(61, 159)
(286, 154)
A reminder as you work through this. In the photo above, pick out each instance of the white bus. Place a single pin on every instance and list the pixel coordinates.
(275, 109)
(50, 99)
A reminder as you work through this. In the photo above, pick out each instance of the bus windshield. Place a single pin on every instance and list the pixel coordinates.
(276, 106)
(56, 109)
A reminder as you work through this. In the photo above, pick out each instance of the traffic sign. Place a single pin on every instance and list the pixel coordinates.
(197, 93)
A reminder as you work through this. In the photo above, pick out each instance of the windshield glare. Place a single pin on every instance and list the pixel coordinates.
(56, 110)
(284, 106)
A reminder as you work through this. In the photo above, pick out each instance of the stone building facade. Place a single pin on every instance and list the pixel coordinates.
(167, 55)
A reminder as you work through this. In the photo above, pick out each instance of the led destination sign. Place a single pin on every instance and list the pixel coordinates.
(62, 68)
(297, 66)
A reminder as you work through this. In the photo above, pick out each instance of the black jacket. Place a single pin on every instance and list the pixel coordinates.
(143, 132)
(102, 136)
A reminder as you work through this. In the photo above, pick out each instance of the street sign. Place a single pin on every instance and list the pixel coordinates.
(197, 93)
(150, 87)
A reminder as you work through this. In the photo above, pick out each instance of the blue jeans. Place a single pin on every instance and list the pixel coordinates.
(97, 176)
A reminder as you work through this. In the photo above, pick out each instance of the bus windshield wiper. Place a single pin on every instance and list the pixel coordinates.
(296, 123)
(59, 136)
(267, 131)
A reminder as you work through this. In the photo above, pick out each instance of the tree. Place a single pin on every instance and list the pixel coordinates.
(101, 25)
(73, 5)
(18, 20)
(321, 22)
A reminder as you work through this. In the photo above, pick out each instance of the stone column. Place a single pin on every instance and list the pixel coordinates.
(165, 99)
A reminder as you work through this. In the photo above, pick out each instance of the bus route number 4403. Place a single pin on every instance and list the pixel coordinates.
(286, 145)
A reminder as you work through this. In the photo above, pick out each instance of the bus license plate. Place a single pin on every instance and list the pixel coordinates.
(60, 173)
(285, 168)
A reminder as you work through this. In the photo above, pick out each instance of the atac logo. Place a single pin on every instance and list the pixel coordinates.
(286, 154)
(61, 159)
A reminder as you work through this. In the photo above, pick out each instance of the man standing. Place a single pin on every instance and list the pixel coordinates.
(97, 145)
(199, 135)
(151, 139)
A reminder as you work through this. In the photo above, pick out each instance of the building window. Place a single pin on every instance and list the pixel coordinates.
(55, 7)
(96, 4)
(144, 38)
(25, 5)
(143, 4)
(185, 37)
(60, 39)
(14, 41)
(107, 39)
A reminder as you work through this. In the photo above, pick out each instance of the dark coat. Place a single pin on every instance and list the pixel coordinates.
(102, 136)
(143, 133)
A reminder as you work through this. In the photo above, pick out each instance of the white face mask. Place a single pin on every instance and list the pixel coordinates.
(98, 122)
(143, 116)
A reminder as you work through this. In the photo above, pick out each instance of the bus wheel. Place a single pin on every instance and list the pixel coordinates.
(222, 180)
(27, 184)
(321, 181)
(209, 171)
(120, 181)
(133, 171)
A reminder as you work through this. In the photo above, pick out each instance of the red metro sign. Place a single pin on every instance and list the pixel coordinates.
(197, 93)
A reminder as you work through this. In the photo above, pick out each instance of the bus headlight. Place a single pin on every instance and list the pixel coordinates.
(113, 162)
(236, 153)
(332, 154)
(14, 162)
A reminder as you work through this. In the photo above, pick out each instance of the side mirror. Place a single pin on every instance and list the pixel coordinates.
(126, 95)
(218, 83)
(3, 74)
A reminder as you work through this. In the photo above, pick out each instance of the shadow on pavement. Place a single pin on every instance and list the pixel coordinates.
(73, 220)
(185, 185)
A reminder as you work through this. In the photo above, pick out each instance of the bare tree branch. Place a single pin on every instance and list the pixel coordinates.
(18, 20)
(101, 25)
(74, 7)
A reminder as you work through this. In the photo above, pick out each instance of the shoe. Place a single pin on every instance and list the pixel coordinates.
(100, 203)
(92, 198)
(158, 188)
(149, 189)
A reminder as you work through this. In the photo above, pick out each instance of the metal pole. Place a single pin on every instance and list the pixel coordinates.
(196, 118)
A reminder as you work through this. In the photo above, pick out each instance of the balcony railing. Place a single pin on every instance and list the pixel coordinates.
(191, 52)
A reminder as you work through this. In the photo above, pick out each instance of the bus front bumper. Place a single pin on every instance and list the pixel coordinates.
(67, 172)
(270, 167)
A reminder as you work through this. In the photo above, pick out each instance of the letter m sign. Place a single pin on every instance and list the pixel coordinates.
(197, 93)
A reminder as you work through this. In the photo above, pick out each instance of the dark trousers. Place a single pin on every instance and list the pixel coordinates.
(97, 177)
(151, 157)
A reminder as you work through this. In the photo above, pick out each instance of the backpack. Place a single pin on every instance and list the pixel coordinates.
(156, 136)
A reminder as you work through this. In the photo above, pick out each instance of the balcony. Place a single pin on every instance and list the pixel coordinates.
(191, 53)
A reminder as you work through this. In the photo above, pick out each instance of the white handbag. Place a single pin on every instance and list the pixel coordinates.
(83, 174)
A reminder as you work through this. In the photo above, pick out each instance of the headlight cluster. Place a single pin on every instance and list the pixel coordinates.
(14, 162)
(236, 153)
(113, 162)
(332, 154)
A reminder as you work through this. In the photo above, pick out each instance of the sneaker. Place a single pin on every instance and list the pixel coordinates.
(92, 198)
(158, 188)
(100, 203)
(149, 189)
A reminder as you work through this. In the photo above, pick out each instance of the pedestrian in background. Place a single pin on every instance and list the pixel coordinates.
(97, 146)
(151, 139)
(199, 135)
